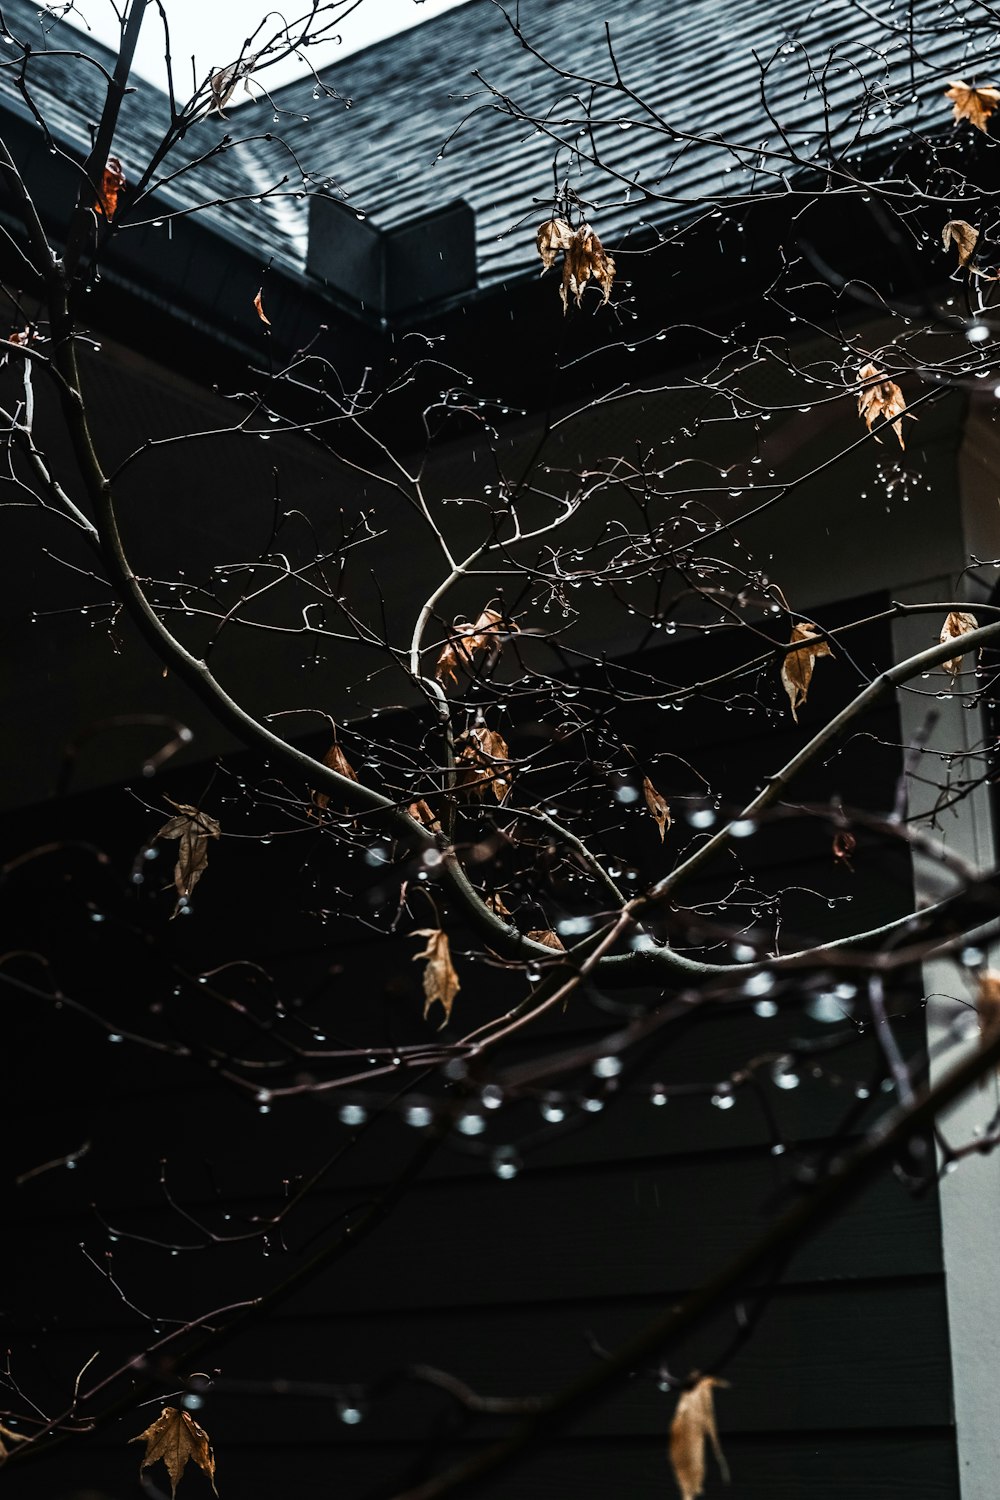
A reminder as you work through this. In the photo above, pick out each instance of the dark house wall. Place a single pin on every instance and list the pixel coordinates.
(508, 1284)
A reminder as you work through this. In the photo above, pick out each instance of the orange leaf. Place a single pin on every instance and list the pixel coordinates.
(659, 810)
(422, 812)
(470, 639)
(441, 982)
(112, 182)
(175, 1437)
(258, 303)
(959, 622)
(883, 398)
(797, 667)
(693, 1425)
(546, 936)
(972, 104)
(988, 1006)
(337, 761)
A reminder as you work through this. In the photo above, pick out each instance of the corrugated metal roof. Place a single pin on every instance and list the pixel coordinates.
(438, 113)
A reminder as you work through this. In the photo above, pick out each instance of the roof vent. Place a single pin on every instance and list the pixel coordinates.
(396, 270)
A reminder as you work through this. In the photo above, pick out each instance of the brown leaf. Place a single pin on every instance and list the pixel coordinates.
(470, 639)
(7, 1436)
(112, 182)
(194, 829)
(258, 303)
(693, 1425)
(988, 1006)
(497, 904)
(959, 622)
(175, 1437)
(972, 104)
(421, 812)
(844, 844)
(554, 235)
(797, 667)
(585, 259)
(482, 763)
(440, 980)
(659, 810)
(962, 235)
(222, 83)
(337, 761)
(548, 937)
(883, 398)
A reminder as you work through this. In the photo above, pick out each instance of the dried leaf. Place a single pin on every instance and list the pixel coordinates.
(959, 622)
(481, 763)
(585, 259)
(222, 85)
(693, 1425)
(112, 182)
(194, 829)
(844, 845)
(441, 983)
(7, 1436)
(972, 104)
(797, 667)
(988, 1006)
(21, 337)
(962, 235)
(337, 761)
(258, 303)
(548, 937)
(497, 904)
(421, 812)
(175, 1437)
(488, 631)
(554, 235)
(659, 810)
(883, 398)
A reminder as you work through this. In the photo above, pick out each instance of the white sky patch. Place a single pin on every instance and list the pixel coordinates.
(214, 31)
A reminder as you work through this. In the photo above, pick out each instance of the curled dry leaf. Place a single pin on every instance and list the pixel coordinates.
(554, 235)
(972, 104)
(797, 667)
(959, 622)
(258, 303)
(421, 812)
(337, 761)
(692, 1427)
(988, 1006)
(584, 259)
(546, 936)
(471, 639)
(441, 983)
(482, 763)
(497, 905)
(881, 398)
(7, 1436)
(844, 845)
(112, 182)
(962, 235)
(658, 809)
(21, 337)
(175, 1437)
(193, 828)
